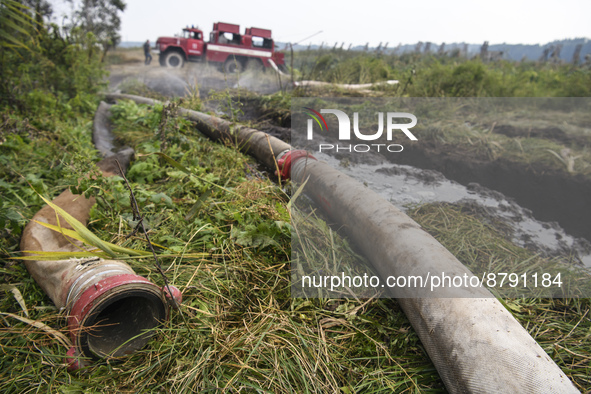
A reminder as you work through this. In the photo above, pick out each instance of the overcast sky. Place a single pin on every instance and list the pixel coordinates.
(361, 21)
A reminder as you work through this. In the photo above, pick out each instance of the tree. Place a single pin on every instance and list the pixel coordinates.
(41, 8)
(100, 17)
(41, 68)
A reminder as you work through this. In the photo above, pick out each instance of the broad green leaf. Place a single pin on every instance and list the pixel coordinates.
(115, 248)
(184, 169)
(161, 198)
(50, 256)
(81, 229)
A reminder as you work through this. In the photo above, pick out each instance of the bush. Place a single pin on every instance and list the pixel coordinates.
(53, 74)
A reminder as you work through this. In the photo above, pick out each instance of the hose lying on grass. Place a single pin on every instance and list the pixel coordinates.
(474, 342)
(111, 311)
(345, 86)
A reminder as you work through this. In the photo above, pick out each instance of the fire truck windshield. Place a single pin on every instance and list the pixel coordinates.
(192, 34)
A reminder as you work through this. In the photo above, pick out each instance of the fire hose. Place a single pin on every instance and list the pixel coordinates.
(111, 311)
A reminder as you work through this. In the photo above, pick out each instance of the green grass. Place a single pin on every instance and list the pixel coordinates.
(228, 228)
(238, 329)
(444, 76)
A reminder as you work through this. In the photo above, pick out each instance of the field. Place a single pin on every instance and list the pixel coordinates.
(227, 228)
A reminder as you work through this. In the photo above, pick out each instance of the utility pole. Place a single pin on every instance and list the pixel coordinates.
(555, 56)
(544, 56)
(484, 51)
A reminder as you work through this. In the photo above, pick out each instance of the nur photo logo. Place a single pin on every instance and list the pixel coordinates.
(347, 133)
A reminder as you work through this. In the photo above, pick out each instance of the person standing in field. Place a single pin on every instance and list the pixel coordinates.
(147, 52)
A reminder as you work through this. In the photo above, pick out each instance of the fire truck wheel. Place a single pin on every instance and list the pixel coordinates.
(232, 66)
(174, 60)
(254, 65)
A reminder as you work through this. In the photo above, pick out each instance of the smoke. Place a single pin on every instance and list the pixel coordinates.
(193, 78)
(264, 82)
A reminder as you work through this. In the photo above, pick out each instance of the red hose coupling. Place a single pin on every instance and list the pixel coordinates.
(115, 317)
(72, 360)
(285, 161)
(174, 297)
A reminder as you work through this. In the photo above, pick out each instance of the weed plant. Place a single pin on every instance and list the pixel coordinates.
(445, 76)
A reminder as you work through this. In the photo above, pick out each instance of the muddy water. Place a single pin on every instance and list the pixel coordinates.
(406, 186)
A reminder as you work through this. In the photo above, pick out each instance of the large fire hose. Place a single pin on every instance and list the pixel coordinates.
(474, 342)
(111, 311)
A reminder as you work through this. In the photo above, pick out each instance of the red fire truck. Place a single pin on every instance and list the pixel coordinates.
(229, 49)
